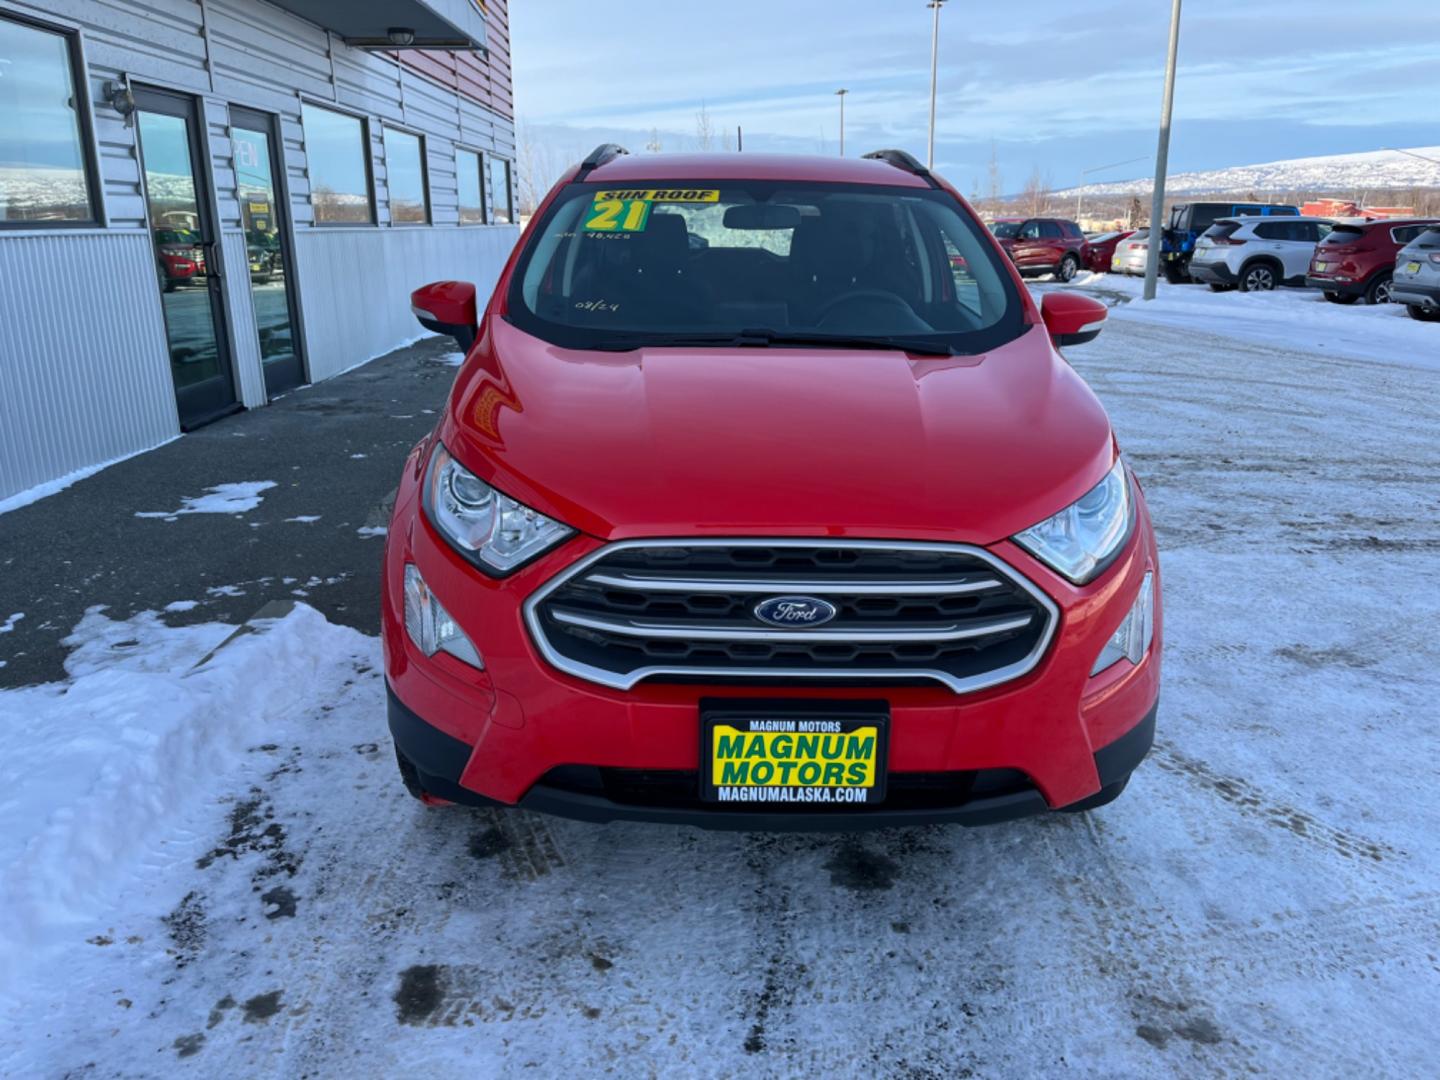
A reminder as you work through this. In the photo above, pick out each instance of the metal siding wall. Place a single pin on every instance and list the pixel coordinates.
(78, 391)
(249, 374)
(357, 284)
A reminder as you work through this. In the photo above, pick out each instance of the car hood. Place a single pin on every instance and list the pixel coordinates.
(779, 441)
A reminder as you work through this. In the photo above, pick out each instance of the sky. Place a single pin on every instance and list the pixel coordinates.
(1057, 86)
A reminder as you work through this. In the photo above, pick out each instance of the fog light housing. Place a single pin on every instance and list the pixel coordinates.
(430, 626)
(1131, 641)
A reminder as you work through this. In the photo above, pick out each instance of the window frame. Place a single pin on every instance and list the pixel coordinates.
(427, 202)
(479, 156)
(366, 142)
(489, 160)
(84, 111)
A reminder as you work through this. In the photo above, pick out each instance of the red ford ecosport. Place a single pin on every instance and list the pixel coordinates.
(764, 500)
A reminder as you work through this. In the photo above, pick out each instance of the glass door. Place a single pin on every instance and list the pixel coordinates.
(186, 263)
(265, 215)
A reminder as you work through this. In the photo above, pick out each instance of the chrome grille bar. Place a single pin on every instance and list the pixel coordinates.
(958, 587)
(840, 635)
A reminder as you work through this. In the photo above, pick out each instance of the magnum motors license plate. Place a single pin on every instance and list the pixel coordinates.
(783, 753)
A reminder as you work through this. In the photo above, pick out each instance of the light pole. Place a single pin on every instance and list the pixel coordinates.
(841, 95)
(1162, 161)
(934, 6)
(1093, 169)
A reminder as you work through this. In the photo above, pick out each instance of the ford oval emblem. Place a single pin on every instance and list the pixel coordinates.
(796, 611)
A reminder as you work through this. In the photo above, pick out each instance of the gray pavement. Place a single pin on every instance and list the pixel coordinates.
(334, 452)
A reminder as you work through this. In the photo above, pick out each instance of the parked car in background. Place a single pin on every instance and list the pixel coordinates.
(1417, 276)
(1257, 253)
(179, 257)
(1100, 249)
(1130, 253)
(1042, 245)
(1357, 259)
(1189, 220)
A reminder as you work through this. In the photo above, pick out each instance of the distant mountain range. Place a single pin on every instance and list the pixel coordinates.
(1333, 174)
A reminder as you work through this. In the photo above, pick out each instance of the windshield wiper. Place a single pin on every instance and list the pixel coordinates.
(761, 338)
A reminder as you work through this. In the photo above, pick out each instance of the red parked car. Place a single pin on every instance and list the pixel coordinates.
(803, 527)
(179, 256)
(1357, 259)
(1042, 245)
(1099, 250)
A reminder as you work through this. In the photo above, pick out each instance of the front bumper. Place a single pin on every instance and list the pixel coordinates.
(523, 732)
(582, 793)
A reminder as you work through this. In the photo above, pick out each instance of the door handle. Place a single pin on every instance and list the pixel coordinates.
(212, 265)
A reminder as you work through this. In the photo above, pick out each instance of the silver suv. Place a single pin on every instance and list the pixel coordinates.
(1416, 283)
(1257, 253)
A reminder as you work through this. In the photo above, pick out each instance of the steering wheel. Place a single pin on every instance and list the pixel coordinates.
(852, 295)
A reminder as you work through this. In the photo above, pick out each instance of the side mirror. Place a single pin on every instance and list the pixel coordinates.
(447, 307)
(1071, 318)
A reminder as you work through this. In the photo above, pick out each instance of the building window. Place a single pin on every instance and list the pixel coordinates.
(337, 155)
(471, 188)
(405, 178)
(500, 212)
(45, 175)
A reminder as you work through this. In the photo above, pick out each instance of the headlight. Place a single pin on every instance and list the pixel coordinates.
(490, 529)
(1080, 540)
(1132, 640)
(430, 626)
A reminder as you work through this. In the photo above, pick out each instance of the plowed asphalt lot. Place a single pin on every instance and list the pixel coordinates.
(1263, 900)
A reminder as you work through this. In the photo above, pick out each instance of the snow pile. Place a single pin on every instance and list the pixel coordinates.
(221, 499)
(97, 767)
(1290, 318)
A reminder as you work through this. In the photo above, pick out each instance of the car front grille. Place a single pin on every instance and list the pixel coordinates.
(684, 610)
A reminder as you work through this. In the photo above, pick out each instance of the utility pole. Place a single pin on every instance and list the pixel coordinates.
(739, 139)
(934, 6)
(1162, 161)
(841, 94)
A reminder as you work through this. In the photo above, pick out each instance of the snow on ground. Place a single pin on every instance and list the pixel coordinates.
(216, 872)
(1294, 318)
(221, 499)
(8, 625)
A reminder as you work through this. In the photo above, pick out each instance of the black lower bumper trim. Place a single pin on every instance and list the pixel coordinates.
(440, 759)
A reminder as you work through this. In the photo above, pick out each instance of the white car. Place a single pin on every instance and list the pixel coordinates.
(1257, 253)
(1129, 257)
(1417, 276)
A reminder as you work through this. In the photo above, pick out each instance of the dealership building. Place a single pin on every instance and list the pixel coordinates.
(206, 203)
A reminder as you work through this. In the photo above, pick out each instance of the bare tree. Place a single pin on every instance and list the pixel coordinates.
(653, 146)
(704, 130)
(727, 140)
(1036, 195)
(993, 192)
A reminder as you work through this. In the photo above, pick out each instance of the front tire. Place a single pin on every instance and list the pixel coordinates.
(1378, 291)
(1067, 268)
(1421, 314)
(1258, 277)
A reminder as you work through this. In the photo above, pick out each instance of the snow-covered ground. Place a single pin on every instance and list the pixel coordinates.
(1292, 318)
(213, 870)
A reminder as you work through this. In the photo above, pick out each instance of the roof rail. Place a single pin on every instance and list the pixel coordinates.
(901, 160)
(599, 156)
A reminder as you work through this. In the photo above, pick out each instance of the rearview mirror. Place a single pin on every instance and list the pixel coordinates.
(1071, 318)
(447, 307)
(761, 216)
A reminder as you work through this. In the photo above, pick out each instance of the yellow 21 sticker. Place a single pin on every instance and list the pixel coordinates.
(618, 215)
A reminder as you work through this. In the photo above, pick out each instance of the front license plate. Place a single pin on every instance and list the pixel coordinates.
(816, 755)
(1412, 268)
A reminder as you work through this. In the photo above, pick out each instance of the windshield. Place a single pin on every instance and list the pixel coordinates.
(1006, 230)
(763, 261)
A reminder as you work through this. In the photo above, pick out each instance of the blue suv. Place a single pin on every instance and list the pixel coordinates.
(1189, 220)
